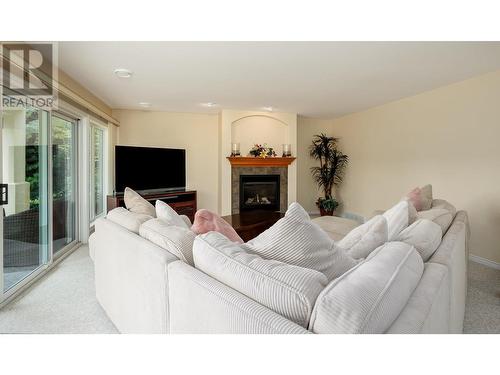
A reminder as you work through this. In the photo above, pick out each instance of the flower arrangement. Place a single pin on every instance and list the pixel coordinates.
(262, 151)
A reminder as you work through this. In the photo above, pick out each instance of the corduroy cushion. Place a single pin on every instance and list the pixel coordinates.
(440, 216)
(131, 221)
(168, 214)
(398, 218)
(362, 240)
(369, 297)
(135, 203)
(296, 240)
(175, 239)
(424, 235)
(288, 290)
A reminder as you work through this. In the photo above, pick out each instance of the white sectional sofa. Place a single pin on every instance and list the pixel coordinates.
(145, 289)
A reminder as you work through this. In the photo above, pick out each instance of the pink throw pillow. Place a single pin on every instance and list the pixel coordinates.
(415, 198)
(206, 221)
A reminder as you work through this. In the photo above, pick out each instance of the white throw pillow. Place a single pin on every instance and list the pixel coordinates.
(168, 214)
(398, 218)
(424, 235)
(426, 197)
(361, 241)
(174, 239)
(369, 297)
(290, 291)
(129, 220)
(296, 240)
(440, 216)
(135, 203)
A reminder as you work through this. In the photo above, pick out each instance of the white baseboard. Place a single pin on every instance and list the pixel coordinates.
(484, 261)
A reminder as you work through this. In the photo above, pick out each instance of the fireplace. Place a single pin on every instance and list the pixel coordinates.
(260, 192)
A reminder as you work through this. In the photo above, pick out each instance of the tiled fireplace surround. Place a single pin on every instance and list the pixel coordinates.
(236, 172)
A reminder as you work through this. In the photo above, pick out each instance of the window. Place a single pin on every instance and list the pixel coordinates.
(97, 166)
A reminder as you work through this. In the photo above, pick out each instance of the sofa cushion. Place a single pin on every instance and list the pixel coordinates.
(135, 203)
(369, 297)
(361, 241)
(424, 235)
(207, 221)
(336, 227)
(168, 214)
(286, 289)
(175, 239)
(440, 216)
(426, 197)
(398, 218)
(129, 220)
(296, 240)
(441, 203)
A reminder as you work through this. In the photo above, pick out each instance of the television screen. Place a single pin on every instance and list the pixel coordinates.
(149, 168)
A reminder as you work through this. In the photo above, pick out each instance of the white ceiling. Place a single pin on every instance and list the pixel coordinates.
(317, 79)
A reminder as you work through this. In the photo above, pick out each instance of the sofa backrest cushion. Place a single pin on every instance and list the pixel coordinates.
(369, 297)
(298, 241)
(178, 240)
(135, 203)
(398, 218)
(440, 216)
(129, 220)
(362, 240)
(286, 289)
(441, 203)
(424, 235)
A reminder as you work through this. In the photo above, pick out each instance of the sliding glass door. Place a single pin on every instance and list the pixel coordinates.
(26, 212)
(64, 181)
(39, 180)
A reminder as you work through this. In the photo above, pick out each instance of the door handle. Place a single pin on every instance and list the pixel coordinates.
(4, 194)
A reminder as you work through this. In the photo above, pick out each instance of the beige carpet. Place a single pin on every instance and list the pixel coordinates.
(64, 302)
(61, 302)
(482, 309)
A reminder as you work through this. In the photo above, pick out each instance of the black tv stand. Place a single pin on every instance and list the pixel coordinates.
(184, 202)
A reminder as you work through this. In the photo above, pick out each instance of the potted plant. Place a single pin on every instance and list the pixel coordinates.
(332, 165)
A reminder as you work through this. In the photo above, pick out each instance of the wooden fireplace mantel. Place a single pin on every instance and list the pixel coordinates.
(251, 161)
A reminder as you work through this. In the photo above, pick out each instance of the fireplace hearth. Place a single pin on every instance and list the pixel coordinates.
(259, 192)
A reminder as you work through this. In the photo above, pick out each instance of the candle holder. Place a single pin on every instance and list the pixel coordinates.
(287, 150)
(235, 149)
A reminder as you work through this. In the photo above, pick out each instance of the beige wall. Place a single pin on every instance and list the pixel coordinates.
(307, 190)
(197, 133)
(449, 137)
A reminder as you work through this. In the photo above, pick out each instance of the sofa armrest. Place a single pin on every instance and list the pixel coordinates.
(453, 253)
(428, 309)
(131, 279)
(200, 304)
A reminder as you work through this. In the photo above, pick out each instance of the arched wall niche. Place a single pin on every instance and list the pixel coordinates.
(252, 129)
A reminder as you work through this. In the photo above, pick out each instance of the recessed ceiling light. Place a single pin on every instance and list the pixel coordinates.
(145, 104)
(268, 109)
(123, 73)
(209, 104)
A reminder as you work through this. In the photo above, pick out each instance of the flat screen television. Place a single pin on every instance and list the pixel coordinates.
(149, 169)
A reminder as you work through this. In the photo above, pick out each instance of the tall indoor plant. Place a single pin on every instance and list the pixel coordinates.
(332, 165)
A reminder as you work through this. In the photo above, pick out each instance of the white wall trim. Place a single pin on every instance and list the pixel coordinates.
(484, 261)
